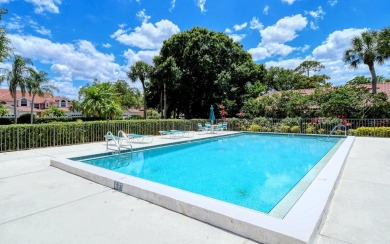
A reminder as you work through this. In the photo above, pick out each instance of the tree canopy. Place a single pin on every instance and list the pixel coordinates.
(213, 70)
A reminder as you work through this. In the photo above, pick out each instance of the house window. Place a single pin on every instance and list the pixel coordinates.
(63, 104)
(36, 105)
(23, 102)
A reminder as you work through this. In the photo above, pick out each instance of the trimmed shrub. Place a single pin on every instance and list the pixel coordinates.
(373, 131)
(255, 128)
(295, 129)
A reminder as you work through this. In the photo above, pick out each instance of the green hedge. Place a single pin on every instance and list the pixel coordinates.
(372, 131)
(20, 137)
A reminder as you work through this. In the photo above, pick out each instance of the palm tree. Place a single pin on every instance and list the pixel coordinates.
(17, 77)
(37, 84)
(100, 100)
(140, 71)
(365, 50)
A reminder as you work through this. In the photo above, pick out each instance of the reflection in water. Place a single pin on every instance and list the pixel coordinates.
(254, 171)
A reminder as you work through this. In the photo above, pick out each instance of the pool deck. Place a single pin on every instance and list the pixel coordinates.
(43, 204)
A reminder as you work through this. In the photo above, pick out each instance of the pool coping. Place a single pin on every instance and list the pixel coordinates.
(301, 224)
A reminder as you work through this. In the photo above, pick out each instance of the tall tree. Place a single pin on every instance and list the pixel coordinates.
(364, 50)
(38, 84)
(166, 73)
(214, 70)
(309, 66)
(4, 41)
(130, 97)
(17, 77)
(140, 71)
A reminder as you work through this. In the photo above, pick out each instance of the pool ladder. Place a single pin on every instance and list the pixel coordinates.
(117, 141)
(336, 127)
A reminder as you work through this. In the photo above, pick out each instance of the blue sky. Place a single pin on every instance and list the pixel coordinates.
(76, 41)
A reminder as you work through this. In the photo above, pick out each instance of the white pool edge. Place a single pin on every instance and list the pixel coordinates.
(301, 225)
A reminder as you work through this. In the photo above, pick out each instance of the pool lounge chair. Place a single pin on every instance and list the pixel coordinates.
(171, 134)
(184, 133)
(137, 138)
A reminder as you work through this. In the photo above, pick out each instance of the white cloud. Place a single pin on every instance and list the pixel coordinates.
(41, 6)
(228, 31)
(316, 15)
(148, 35)
(18, 24)
(173, 3)
(265, 10)
(237, 37)
(15, 24)
(255, 24)
(141, 15)
(79, 61)
(304, 48)
(332, 2)
(240, 27)
(274, 37)
(200, 4)
(144, 55)
(284, 30)
(39, 28)
(319, 14)
(107, 45)
(271, 49)
(336, 43)
(289, 2)
(286, 63)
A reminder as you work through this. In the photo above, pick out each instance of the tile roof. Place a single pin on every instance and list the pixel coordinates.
(5, 96)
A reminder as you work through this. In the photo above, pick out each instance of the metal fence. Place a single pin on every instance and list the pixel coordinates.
(22, 137)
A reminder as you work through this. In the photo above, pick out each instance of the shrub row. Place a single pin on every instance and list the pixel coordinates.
(19, 137)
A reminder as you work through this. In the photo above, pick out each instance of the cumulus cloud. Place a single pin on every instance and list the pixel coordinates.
(284, 30)
(289, 2)
(107, 45)
(41, 6)
(200, 4)
(69, 61)
(148, 35)
(336, 43)
(274, 37)
(228, 31)
(144, 55)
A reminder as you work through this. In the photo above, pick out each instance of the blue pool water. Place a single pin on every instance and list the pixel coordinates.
(255, 171)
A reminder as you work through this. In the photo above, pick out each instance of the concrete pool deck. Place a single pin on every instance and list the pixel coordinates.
(42, 204)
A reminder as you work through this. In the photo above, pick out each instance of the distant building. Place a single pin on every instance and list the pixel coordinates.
(23, 103)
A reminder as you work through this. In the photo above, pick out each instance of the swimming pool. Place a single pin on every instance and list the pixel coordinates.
(255, 171)
(296, 218)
